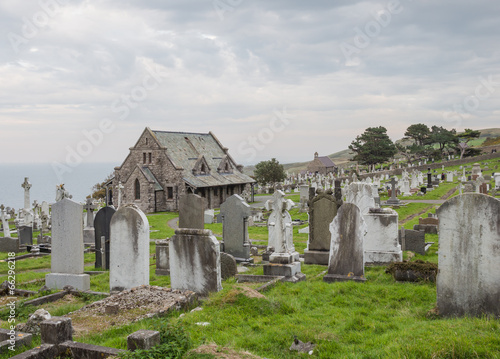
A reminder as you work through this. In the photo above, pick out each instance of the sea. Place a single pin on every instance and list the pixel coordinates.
(78, 181)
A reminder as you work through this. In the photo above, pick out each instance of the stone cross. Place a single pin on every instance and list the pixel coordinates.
(393, 199)
(26, 185)
(90, 206)
(5, 223)
(280, 223)
(119, 187)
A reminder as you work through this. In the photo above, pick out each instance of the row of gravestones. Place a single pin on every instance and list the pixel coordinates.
(468, 282)
(467, 264)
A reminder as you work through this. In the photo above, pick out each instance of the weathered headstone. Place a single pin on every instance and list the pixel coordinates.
(235, 212)
(284, 261)
(195, 261)
(162, 258)
(25, 234)
(411, 240)
(361, 194)
(89, 230)
(5, 223)
(191, 211)
(9, 244)
(67, 247)
(468, 282)
(346, 260)
(26, 186)
(393, 201)
(228, 266)
(322, 210)
(129, 249)
(381, 244)
(102, 223)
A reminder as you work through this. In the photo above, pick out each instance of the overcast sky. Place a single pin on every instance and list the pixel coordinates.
(281, 78)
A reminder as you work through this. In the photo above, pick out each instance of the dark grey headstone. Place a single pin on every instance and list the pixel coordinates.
(235, 212)
(228, 267)
(411, 240)
(322, 210)
(9, 244)
(101, 225)
(25, 235)
(191, 211)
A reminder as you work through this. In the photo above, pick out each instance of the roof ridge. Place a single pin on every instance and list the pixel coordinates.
(181, 132)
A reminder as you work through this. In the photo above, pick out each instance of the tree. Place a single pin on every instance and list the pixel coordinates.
(418, 132)
(443, 137)
(269, 172)
(464, 138)
(99, 189)
(373, 146)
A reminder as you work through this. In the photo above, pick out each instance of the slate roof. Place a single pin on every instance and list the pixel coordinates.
(184, 149)
(326, 161)
(151, 178)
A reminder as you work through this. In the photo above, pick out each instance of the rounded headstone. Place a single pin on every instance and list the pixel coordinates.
(228, 266)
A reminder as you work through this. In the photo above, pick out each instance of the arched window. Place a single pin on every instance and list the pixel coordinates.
(203, 169)
(137, 189)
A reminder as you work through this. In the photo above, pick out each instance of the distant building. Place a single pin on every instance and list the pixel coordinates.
(163, 165)
(321, 165)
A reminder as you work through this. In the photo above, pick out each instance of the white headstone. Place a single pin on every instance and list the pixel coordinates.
(360, 194)
(129, 249)
(468, 282)
(67, 247)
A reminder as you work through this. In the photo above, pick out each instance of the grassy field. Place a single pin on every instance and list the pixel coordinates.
(380, 318)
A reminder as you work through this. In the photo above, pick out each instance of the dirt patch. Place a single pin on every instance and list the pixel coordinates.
(128, 306)
(223, 352)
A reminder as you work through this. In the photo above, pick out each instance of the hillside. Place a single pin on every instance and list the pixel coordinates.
(343, 157)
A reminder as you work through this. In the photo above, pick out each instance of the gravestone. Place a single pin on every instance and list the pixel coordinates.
(361, 194)
(191, 211)
(393, 201)
(89, 230)
(429, 179)
(496, 176)
(9, 244)
(5, 222)
(284, 260)
(67, 247)
(119, 189)
(381, 244)
(468, 282)
(102, 223)
(25, 234)
(427, 225)
(322, 210)
(162, 258)
(304, 197)
(195, 261)
(411, 240)
(26, 186)
(208, 216)
(129, 249)
(228, 266)
(235, 212)
(346, 257)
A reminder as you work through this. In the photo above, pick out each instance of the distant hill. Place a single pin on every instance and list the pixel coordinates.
(343, 157)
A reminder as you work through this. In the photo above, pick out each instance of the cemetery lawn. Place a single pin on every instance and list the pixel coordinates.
(377, 319)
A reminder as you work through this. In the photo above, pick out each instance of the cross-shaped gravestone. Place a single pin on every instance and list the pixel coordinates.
(235, 212)
(5, 223)
(119, 187)
(90, 206)
(393, 200)
(280, 223)
(26, 185)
